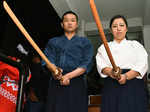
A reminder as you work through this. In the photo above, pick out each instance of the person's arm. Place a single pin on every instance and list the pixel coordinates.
(56, 76)
(50, 52)
(87, 51)
(128, 76)
(140, 67)
(108, 71)
(103, 66)
(75, 73)
(131, 74)
(84, 66)
(123, 77)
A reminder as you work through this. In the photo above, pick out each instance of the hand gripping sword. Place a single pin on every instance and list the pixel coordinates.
(116, 69)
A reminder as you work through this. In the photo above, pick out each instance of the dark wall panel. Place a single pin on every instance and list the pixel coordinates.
(38, 17)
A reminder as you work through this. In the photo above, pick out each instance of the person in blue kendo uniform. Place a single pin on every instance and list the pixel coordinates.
(128, 93)
(73, 54)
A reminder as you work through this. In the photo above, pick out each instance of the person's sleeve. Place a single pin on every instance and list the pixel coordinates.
(50, 52)
(141, 64)
(9, 70)
(101, 61)
(1, 70)
(86, 62)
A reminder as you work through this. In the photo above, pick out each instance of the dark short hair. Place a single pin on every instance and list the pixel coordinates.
(69, 12)
(116, 17)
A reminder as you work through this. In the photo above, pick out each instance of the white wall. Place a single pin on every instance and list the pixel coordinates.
(81, 28)
(146, 35)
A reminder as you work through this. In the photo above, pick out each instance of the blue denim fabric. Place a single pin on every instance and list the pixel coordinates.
(70, 54)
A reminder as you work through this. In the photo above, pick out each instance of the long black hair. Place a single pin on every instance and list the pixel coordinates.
(116, 17)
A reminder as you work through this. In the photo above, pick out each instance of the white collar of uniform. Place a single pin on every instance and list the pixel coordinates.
(122, 42)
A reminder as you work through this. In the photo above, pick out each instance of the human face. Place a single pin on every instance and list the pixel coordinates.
(70, 23)
(119, 29)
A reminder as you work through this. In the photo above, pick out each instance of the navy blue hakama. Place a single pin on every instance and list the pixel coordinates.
(72, 98)
(130, 97)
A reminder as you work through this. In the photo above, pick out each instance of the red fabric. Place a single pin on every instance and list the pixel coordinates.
(9, 70)
(8, 90)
